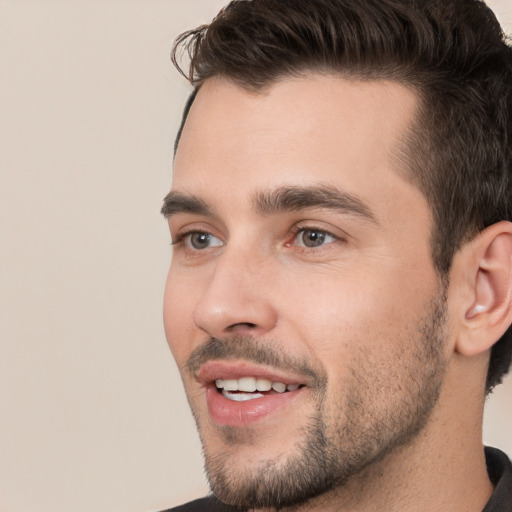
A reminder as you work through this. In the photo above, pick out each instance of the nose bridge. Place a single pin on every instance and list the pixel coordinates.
(235, 299)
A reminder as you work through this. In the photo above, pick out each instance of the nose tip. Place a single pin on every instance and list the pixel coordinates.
(233, 303)
(221, 316)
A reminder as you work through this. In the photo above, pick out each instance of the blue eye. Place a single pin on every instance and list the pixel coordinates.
(312, 238)
(199, 240)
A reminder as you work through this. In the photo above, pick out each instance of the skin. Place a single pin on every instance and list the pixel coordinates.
(353, 307)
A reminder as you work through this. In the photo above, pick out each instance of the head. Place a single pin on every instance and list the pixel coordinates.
(436, 78)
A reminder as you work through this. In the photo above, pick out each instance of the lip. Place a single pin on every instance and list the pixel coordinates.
(242, 414)
(225, 412)
(238, 369)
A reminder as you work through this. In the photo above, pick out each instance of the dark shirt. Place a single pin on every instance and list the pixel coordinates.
(498, 467)
(500, 473)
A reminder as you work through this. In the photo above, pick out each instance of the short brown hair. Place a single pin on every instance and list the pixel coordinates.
(453, 53)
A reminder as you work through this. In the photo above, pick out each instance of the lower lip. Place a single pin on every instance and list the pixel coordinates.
(240, 414)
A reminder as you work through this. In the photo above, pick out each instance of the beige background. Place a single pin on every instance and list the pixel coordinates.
(92, 415)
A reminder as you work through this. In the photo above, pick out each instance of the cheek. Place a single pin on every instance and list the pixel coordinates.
(361, 307)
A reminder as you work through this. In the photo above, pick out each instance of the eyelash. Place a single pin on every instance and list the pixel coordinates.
(296, 230)
(180, 237)
(302, 228)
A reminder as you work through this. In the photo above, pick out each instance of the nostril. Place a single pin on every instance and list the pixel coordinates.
(241, 326)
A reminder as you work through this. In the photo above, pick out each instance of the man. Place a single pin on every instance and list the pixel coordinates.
(340, 294)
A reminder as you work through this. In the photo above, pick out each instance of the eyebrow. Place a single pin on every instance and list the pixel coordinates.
(297, 198)
(177, 202)
(280, 200)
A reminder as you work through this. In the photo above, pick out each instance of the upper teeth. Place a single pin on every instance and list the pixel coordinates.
(251, 384)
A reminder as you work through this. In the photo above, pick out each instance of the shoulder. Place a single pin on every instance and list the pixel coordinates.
(210, 504)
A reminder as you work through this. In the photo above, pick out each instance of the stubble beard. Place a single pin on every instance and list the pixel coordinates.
(337, 443)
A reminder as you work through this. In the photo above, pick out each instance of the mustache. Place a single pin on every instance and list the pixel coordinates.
(254, 351)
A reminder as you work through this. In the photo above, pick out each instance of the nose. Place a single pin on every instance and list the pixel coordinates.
(237, 299)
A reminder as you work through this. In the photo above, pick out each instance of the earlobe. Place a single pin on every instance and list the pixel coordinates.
(488, 312)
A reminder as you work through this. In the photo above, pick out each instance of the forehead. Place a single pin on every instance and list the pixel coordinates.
(315, 128)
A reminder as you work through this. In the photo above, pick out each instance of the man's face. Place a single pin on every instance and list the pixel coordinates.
(301, 264)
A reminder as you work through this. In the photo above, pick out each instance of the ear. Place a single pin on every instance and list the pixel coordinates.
(483, 270)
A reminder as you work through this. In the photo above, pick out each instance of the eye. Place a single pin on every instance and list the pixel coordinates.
(200, 240)
(313, 238)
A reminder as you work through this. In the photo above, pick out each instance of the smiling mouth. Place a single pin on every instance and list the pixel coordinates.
(240, 393)
(251, 388)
